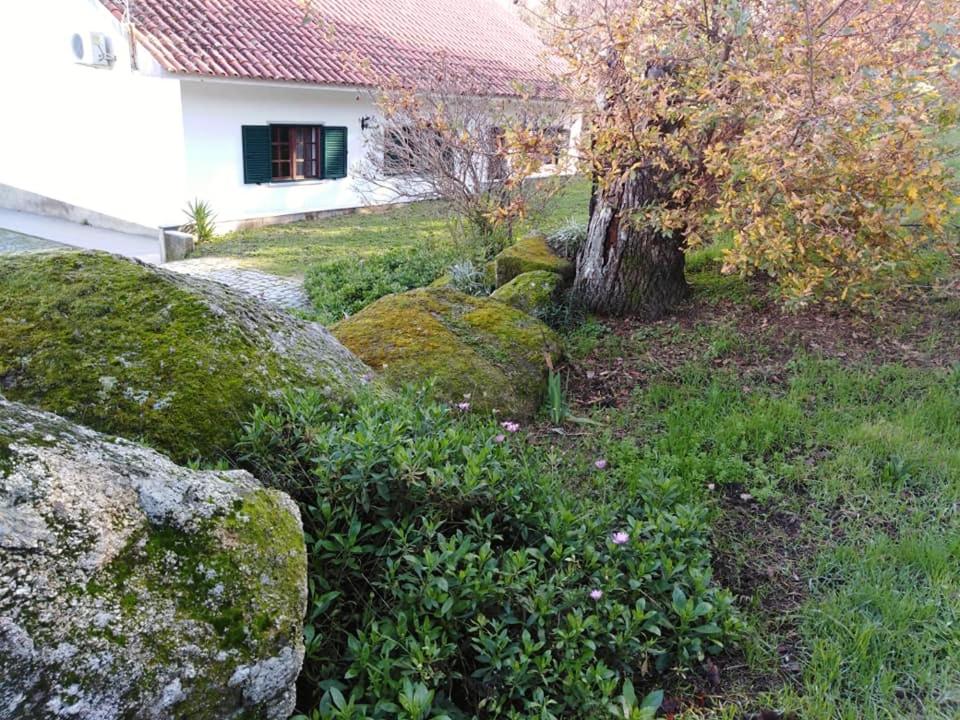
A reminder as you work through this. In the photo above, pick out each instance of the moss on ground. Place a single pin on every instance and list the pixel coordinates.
(132, 351)
(533, 292)
(531, 253)
(467, 346)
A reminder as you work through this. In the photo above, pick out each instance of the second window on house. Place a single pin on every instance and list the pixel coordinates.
(294, 152)
(288, 153)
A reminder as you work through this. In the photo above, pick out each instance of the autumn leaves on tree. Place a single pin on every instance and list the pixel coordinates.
(804, 136)
(802, 133)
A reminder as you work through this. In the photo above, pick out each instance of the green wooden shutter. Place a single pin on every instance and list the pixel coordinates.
(334, 152)
(256, 154)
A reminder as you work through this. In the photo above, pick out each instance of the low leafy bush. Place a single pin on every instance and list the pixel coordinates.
(567, 240)
(452, 575)
(467, 277)
(340, 288)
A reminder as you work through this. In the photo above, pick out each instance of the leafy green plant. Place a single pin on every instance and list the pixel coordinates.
(466, 277)
(202, 221)
(453, 575)
(567, 240)
(627, 707)
(345, 286)
(557, 407)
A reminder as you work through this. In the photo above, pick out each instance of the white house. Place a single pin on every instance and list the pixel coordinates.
(129, 109)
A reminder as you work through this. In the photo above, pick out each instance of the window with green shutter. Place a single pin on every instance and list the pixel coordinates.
(287, 153)
(256, 154)
(334, 152)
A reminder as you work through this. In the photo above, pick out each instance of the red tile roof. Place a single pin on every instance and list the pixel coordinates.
(319, 41)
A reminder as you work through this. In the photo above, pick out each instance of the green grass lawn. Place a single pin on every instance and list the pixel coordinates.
(290, 249)
(827, 446)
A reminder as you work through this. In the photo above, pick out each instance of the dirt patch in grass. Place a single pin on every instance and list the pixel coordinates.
(758, 340)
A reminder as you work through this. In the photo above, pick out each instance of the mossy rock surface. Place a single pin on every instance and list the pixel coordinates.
(136, 351)
(471, 348)
(136, 588)
(534, 292)
(529, 254)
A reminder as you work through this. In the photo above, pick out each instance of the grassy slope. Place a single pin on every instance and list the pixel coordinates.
(289, 249)
(828, 446)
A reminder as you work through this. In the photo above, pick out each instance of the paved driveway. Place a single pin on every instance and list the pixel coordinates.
(15, 238)
(285, 292)
(80, 236)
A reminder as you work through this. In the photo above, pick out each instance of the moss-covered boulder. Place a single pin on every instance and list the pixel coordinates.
(470, 347)
(172, 360)
(533, 292)
(131, 587)
(529, 254)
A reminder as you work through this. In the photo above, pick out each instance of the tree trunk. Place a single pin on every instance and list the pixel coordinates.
(624, 270)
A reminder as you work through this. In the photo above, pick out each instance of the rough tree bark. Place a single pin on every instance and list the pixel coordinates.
(623, 270)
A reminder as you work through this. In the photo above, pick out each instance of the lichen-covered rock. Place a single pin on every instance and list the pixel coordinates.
(471, 348)
(533, 292)
(131, 587)
(529, 254)
(136, 351)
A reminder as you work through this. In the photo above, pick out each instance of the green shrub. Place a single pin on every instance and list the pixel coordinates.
(470, 278)
(342, 287)
(452, 575)
(567, 240)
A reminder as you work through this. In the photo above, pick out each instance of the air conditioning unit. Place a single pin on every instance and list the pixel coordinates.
(94, 49)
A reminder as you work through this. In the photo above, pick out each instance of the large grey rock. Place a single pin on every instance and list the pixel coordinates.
(133, 350)
(131, 587)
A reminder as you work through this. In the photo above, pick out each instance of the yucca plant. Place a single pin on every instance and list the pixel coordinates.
(202, 223)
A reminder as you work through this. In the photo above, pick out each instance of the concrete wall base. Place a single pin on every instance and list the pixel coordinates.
(175, 245)
(224, 226)
(14, 198)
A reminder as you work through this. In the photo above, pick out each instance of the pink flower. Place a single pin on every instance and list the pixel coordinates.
(509, 426)
(464, 406)
(600, 464)
(596, 594)
(499, 438)
(620, 538)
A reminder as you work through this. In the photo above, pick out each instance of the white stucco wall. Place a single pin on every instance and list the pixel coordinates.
(110, 140)
(214, 113)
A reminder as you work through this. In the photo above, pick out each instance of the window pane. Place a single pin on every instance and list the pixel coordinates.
(309, 157)
(281, 170)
